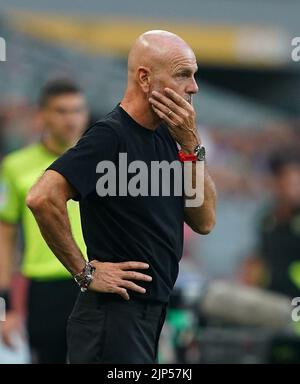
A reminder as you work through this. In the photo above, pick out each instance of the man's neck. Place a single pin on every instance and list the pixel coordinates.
(139, 109)
(53, 146)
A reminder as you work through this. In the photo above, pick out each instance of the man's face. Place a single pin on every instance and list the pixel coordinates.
(287, 184)
(178, 74)
(65, 117)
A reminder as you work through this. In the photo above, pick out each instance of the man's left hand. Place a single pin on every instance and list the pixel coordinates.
(180, 117)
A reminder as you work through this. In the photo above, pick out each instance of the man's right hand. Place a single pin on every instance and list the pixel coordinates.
(115, 277)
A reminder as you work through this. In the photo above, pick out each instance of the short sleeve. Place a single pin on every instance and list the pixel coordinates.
(10, 201)
(78, 165)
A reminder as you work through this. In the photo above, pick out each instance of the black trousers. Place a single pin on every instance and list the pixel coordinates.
(105, 328)
(49, 306)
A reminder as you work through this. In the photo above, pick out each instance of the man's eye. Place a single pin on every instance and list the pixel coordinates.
(184, 74)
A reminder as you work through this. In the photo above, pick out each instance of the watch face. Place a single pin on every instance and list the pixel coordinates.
(200, 152)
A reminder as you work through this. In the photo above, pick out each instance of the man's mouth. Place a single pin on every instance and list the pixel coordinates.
(188, 99)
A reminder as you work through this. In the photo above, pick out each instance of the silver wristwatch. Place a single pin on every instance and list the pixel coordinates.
(200, 152)
(85, 277)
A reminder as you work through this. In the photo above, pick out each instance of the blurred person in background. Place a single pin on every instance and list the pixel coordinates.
(277, 266)
(51, 291)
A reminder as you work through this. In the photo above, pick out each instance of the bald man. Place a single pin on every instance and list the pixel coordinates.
(134, 238)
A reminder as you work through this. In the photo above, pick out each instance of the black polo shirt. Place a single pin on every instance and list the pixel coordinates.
(127, 228)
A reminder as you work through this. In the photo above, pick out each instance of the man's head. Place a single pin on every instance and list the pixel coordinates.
(160, 59)
(63, 111)
(285, 167)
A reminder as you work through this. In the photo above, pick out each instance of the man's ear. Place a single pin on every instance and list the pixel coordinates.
(144, 78)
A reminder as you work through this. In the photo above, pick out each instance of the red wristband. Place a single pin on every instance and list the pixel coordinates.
(186, 157)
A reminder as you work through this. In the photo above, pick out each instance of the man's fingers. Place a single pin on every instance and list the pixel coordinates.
(134, 287)
(165, 111)
(178, 99)
(163, 116)
(133, 265)
(165, 104)
(122, 292)
(136, 276)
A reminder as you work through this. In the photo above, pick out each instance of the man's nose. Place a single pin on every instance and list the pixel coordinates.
(193, 87)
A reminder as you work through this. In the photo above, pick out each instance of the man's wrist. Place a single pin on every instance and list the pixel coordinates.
(85, 277)
(199, 154)
(75, 270)
(188, 147)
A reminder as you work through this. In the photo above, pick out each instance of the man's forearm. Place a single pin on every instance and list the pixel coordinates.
(202, 218)
(7, 254)
(54, 224)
